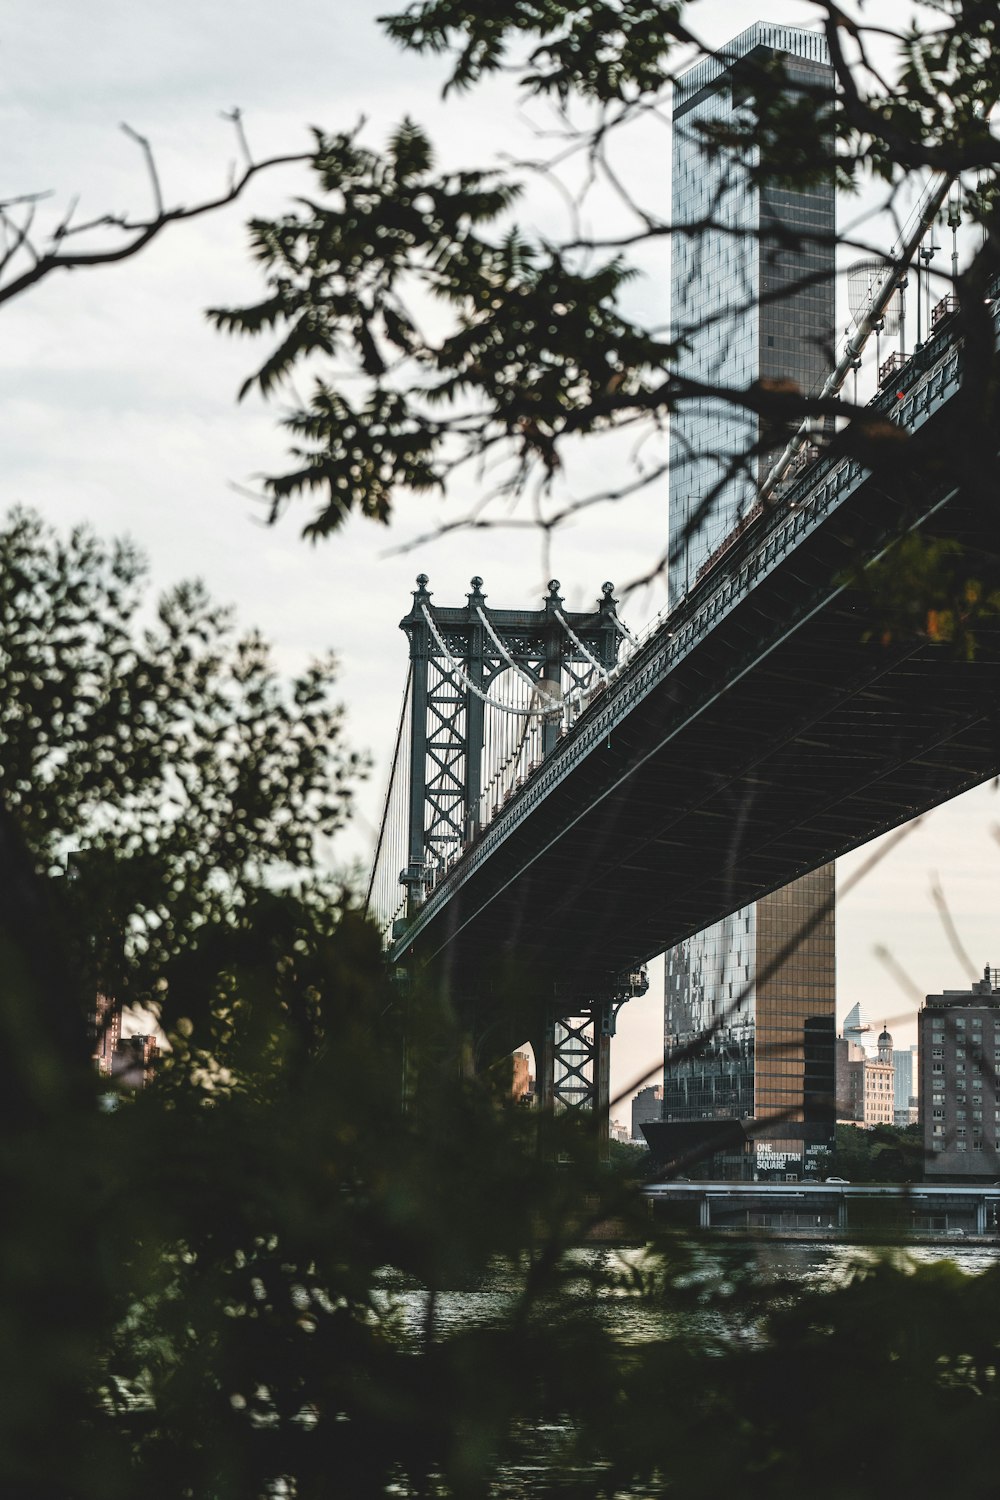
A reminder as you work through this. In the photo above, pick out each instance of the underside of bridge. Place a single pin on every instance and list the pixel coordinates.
(815, 715)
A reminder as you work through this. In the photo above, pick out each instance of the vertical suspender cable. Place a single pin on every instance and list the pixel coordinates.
(389, 785)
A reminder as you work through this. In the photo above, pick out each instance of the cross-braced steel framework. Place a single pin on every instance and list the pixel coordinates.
(456, 656)
(575, 1063)
(457, 764)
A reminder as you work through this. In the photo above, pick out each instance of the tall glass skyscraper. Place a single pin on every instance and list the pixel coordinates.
(751, 284)
(752, 297)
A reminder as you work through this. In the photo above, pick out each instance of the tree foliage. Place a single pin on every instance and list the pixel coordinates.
(883, 1154)
(156, 756)
(312, 1258)
(237, 1283)
(536, 347)
(467, 337)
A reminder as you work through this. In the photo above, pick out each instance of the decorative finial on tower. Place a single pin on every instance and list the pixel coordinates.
(553, 599)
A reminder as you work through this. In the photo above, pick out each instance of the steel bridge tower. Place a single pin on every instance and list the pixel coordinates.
(461, 659)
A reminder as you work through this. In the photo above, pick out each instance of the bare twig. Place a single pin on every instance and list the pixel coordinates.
(951, 931)
(154, 175)
(20, 237)
(62, 229)
(895, 968)
(141, 232)
(235, 117)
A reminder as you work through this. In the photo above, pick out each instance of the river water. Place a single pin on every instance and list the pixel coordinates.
(811, 1265)
(774, 1268)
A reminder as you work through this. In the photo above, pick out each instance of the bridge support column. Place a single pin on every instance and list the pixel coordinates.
(544, 1049)
(604, 1025)
(578, 1051)
(575, 1068)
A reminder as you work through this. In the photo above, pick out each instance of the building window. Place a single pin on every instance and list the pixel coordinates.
(938, 1052)
(939, 1114)
(960, 1145)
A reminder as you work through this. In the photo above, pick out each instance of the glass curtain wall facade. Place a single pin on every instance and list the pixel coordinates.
(751, 287)
(750, 302)
(749, 1025)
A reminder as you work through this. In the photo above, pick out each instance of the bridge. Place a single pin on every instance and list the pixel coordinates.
(581, 801)
(824, 1210)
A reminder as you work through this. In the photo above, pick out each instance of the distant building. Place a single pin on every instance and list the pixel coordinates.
(749, 1036)
(855, 1025)
(904, 1062)
(880, 1086)
(522, 1086)
(107, 1033)
(133, 1061)
(851, 1057)
(865, 1085)
(619, 1132)
(958, 1035)
(647, 1105)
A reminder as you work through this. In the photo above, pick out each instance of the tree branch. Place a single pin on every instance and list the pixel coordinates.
(140, 232)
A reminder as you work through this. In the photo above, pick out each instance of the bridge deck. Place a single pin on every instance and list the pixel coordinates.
(772, 723)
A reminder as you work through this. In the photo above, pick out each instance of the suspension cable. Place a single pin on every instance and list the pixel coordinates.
(466, 681)
(623, 629)
(535, 683)
(389, 786)
(575, 639)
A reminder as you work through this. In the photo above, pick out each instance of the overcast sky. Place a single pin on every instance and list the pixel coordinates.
(119, 400)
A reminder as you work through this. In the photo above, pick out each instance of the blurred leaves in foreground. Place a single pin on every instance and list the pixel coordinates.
(242, 1281)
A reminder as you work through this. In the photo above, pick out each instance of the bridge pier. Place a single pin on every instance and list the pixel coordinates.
(573, 1064)
(573, 1061)
(574, 1069)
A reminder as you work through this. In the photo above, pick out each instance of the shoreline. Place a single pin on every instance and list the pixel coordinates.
(610, 1236)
